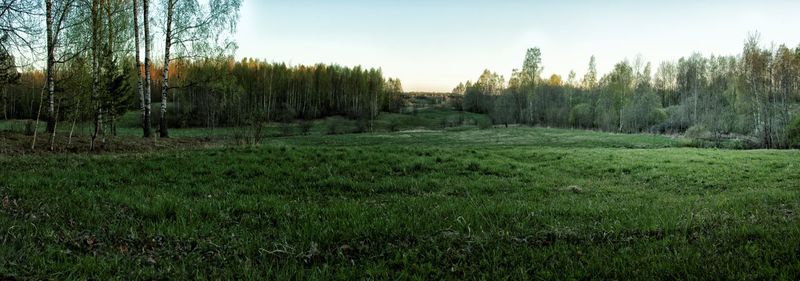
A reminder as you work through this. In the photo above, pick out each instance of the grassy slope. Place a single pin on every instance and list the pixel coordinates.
(493, 203)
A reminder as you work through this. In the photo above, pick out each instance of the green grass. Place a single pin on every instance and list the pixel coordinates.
(517, 203)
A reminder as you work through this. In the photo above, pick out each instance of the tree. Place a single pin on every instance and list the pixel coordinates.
(95, 49)
(504, 110)
(193, 28)
(531, 69)
(165, 84)
(644, 109)
(8, 72)
(479, 97)
(589, 81)
(755, 70)
(665, 84)
(139, 83)
(55, 19)
(148, 89)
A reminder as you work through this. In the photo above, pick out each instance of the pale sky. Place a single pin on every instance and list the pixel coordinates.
(432, 45)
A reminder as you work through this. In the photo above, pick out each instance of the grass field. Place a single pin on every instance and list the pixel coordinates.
(500, 203)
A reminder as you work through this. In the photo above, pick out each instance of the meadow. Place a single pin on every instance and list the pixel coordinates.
(412, 202)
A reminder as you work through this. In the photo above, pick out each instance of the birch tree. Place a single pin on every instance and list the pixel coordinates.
(55, 20)
(531, 70)
(196, 31)
(139, 86)
(147, 66)
(95, 50)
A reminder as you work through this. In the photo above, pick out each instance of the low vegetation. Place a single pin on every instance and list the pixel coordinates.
(497, 203)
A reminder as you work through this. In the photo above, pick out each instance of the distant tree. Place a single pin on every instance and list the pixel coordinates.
(531, 69)
(589, 81)
(393, 95)
(644, 109)
(479, 97)
(665, 84)
(571, 82)
(504, 111)
(756, 80)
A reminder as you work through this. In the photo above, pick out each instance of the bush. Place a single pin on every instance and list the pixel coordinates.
(581, 116)
(793, 132)
(362, 125)
(305, 127)
(698, 132)
(30, 127)
(394, 125)
(676, 120)
(332, 128)
(483, 124)
(286, 129)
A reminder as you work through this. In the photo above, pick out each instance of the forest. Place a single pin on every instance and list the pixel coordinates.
(753, 96)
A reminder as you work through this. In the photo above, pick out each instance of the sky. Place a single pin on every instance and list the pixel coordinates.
(432, 45)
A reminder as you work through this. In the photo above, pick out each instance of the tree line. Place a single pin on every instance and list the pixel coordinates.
(223, 92)
(753, 95)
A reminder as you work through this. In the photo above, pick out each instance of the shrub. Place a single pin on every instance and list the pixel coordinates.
(286, 129)
(581, 116)
(793, 132)
(305, 127)
(30, 127)
(698, 132)
(362, 125)
(676, 120)
(332, 128)
(394, 125)
(483, 124)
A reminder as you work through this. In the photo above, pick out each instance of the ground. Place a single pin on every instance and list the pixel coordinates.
(458, 203)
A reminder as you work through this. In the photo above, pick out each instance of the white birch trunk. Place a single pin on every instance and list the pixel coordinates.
(147, 76)
(165, 87)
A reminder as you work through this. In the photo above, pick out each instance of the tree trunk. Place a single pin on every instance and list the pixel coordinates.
(5, 102)
(98, 120)
(113, 100)
(53, 133)
(74, 120)
(51, 118)
(139, 86)
(147, 77)
(36, 125)
(165, 86)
